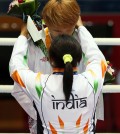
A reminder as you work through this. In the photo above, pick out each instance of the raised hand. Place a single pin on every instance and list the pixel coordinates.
(24, 30)
(79, 22)
(12, 4)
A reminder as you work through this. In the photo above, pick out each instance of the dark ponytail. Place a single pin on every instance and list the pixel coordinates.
(67, 80)
(61, 47)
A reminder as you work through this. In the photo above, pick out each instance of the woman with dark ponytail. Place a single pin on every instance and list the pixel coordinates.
(65, 99)
(66, 53)
(67, 76)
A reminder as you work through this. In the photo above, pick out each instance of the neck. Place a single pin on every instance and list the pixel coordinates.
(55, 70)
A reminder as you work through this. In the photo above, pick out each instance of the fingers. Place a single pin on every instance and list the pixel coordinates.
(12, 4)
(79, 22)
(24, 30)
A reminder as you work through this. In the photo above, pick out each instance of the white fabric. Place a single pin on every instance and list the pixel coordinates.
(36, 62)
(56, 117)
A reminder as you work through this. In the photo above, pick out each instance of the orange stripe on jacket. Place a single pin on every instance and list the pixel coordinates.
(78, 121)
(47, 38)
(86, 127)
(17, 78)
(61, 122)
(53, 130)
(104, 67)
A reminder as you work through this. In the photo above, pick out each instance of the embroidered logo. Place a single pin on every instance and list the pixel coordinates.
(44, 59)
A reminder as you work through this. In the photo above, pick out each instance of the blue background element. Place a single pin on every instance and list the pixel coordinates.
(87, 6)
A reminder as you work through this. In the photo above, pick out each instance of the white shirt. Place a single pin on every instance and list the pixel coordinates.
(46, 89)
(36, 62)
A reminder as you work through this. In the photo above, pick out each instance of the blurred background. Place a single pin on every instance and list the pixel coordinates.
(102, 19)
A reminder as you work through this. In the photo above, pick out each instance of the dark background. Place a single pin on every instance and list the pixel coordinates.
(87, 6)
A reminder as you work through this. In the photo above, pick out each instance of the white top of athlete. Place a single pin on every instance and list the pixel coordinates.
(46, 90)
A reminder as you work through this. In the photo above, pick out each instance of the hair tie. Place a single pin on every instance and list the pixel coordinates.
(67, 58)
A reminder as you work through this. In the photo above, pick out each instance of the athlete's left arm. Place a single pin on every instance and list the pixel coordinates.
(19, 70)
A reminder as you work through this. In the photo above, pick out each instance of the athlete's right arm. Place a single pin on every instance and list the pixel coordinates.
(93, 58)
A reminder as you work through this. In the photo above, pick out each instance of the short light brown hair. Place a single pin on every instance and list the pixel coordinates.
(61, 12)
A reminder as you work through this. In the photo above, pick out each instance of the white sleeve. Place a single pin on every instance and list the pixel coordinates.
(31, 55)
(19, 70)
(81, 66)
(95, 61)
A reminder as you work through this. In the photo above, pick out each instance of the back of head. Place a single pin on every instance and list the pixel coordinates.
(61, 46)
(61, 12)
(65, 44)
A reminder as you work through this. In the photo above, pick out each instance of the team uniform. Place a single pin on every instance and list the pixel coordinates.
(38, 62)
(46, 90)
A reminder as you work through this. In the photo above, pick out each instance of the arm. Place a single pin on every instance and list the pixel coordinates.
(19, 69)
(82, 64)
(95, 61)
